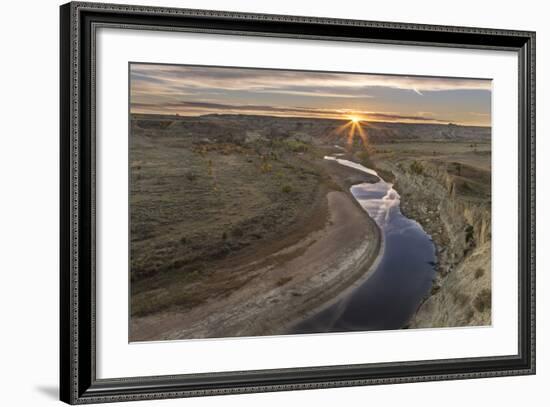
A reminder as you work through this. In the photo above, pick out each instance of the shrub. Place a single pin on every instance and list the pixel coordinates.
(469, 233)
(416, 167)
(479, 273)
(483, 300)
(287, 189)
(265, 167)
(296, 146)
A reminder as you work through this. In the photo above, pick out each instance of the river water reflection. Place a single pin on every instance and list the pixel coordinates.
(403, 275)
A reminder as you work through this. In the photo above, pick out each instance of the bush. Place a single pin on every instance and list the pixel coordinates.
(479, 273)
(296, 146)
(469, 233)
(287, 189)
(416, 167)
(483, 300)
(265, 167)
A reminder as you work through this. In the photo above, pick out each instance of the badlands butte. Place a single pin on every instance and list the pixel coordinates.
(240, 227)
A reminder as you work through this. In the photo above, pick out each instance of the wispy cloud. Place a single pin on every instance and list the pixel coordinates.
(265, 79)
(208, 107)
(201, 90)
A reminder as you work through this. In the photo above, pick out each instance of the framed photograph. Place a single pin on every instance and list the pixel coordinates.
(255, 203)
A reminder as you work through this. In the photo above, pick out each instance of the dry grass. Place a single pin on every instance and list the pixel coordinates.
(195, 203)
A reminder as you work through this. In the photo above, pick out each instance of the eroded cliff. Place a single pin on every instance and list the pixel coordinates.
(452, 201)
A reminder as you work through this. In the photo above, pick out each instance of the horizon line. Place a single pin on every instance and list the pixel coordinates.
(432, 122)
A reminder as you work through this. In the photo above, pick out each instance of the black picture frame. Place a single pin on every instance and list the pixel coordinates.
(78, 382)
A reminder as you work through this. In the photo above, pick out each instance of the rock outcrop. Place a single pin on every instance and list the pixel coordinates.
(452, 202)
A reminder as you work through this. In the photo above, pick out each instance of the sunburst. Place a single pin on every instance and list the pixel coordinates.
(351, 129)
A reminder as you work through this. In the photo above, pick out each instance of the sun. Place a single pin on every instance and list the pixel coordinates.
(356, 126)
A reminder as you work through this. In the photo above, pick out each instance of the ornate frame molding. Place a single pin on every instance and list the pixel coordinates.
(78, 380)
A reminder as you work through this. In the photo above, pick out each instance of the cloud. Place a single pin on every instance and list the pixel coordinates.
(200, 108)
(266, 80)
(157, 88)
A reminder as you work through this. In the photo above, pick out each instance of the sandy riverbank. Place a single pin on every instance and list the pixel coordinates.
(264, 292)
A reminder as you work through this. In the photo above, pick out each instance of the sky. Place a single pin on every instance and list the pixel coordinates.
(197, 90)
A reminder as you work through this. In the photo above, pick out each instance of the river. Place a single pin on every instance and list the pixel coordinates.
(402, 276)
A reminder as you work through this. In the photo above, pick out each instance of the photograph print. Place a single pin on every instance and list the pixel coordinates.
(274, 202)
